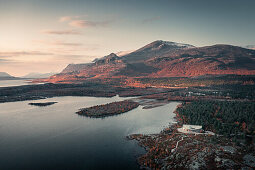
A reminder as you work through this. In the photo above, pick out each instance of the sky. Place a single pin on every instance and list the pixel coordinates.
(47, 35)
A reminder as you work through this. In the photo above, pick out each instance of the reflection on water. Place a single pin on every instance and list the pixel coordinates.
(54, 137)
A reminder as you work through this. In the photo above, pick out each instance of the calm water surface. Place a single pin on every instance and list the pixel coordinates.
(54, 137)
(8, 83)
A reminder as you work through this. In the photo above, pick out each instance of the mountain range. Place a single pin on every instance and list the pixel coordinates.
(4, 74)
(165, 59)
(38, 75)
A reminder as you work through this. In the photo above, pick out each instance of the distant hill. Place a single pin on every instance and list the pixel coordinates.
(38, 75)
(250, 47)
(6, 76)
(165, 59)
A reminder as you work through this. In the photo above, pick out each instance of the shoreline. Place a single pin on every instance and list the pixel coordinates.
(171, 149)
(101, 89)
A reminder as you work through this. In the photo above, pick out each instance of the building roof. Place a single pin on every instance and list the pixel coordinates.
(192, 127)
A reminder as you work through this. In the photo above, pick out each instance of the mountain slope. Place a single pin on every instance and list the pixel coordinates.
(165, 59)
(217, 59)
(154, 49)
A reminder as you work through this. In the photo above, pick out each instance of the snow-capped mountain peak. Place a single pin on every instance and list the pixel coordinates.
(170, 43)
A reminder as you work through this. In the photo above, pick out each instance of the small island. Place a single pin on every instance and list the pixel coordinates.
(42, 104)
(108, 109)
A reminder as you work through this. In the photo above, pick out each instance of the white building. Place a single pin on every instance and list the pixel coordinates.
(190, 129)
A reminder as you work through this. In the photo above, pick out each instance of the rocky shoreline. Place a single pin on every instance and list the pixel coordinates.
(171, 149)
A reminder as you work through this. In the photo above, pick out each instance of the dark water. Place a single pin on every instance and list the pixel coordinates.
(54, 137)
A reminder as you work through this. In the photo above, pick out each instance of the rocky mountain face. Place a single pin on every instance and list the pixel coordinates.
(165, 59)
(75, 68)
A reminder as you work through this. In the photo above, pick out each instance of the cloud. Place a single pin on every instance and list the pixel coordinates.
(3, 60)
(61, 32)
(85, 23)
(70, 57)
(69, 18)
(152, 19)
(79, 22)
(65, 18)
(67, 44)
(73, 50)
(59, 43)
(22, 53)
(74, 58)
(7, 61)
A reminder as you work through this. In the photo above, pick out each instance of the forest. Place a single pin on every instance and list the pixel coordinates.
(108, 109)
(206, 80)
(231, 119)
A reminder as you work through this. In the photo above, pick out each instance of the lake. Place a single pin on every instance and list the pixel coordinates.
(8, 83)
(54, 137)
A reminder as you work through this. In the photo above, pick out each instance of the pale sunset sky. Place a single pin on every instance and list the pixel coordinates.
(46, 35)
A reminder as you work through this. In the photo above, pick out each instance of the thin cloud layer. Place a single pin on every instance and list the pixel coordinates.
(72, 57)
(22, 53)
(67, 44)
(58, 43)
(3, 60)
(65, 18)
(85, 23)
(61, 32)
(79, 22)
(7, 62)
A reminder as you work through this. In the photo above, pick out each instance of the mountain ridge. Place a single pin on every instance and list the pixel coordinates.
(165, 59)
